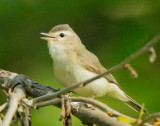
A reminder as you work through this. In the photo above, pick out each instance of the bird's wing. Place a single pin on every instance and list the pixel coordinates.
(91, 62)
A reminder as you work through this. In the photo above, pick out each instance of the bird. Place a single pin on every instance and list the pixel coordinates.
(74, 63)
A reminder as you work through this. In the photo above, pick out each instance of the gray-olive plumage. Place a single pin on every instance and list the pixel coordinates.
(73, 63)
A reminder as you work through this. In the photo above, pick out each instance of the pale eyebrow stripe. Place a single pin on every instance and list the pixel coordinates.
(65, 32)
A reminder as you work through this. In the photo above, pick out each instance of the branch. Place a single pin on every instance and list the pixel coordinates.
(88, 115)
(9, 80)
(14, 100)
(3, 106)
(91, 101)
(111, 70)
(152, 54)
(101, 118)
(153, 116)
(27, 116)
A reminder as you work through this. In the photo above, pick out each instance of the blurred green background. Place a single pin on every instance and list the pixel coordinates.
(112, 29)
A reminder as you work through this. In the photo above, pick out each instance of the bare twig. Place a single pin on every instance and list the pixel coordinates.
(3, 106)
(14, 100)
(152, 54)
(138, 121)
(26, 116)
(63, 113)
(131, 70)
(100, 119)
(66, 111)
(82, 111)
(91, 101)
(19, 115)
(111, 70)
(153, 116)
(33, 89)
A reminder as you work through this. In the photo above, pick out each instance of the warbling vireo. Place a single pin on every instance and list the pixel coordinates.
(73, 63)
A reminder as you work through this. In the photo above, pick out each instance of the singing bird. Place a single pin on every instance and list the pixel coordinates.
(73, 63)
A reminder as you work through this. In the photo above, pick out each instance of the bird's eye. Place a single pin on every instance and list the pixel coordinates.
(62, 35)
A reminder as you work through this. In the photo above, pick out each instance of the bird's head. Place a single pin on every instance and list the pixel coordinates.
(62, 39)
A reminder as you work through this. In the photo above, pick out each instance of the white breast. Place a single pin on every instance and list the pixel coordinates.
(69, 72)
(69, 75)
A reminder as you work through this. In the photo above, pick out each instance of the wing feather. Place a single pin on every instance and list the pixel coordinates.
(91, 62)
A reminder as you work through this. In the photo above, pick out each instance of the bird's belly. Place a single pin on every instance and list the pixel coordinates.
(69, 76)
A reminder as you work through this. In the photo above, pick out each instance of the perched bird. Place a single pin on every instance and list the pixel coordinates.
(73, 63)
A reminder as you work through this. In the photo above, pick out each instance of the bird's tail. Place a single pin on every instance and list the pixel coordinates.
(134, 105)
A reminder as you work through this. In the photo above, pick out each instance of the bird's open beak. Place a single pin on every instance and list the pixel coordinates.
(47, 36)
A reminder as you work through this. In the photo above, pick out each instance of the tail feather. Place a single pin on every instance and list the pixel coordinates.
(134, 105)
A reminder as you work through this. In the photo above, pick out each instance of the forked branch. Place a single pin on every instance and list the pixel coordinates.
(87, 114)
